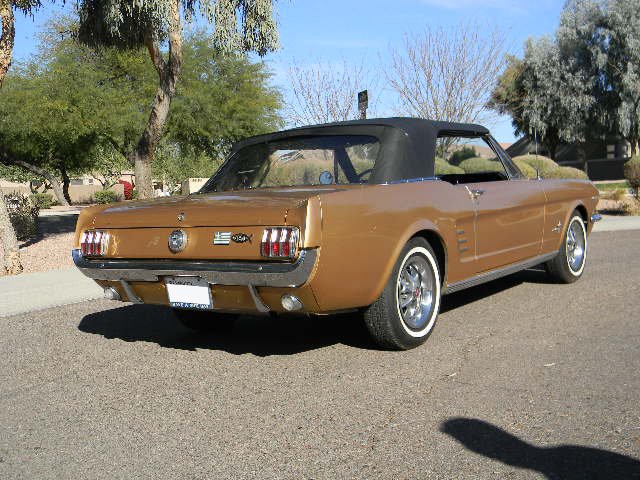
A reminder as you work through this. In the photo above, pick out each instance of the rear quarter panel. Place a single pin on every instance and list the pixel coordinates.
(364, 230)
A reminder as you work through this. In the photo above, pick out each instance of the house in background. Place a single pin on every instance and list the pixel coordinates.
(600, 159)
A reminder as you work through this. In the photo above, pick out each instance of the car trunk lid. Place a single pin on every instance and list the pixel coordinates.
(237, 208)
(218, 226)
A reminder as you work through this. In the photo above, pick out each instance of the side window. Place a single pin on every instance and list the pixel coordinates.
(468, 159)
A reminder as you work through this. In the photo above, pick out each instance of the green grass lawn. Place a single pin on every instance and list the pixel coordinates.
(604, 187)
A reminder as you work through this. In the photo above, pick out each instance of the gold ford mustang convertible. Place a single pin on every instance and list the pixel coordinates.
(364, 216)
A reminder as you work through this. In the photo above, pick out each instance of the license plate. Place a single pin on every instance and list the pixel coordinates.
(189, 292)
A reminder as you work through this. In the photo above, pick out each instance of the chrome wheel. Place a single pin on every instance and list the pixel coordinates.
(415, 292)
(576, 247)
(406, 312)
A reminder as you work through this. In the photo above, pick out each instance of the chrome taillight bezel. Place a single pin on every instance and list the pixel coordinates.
(94, 243)
(280, 242)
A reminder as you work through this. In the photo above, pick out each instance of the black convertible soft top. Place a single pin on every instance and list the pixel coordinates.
(408, 144)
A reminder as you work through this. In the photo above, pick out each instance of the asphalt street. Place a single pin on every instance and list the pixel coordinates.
(521, 379)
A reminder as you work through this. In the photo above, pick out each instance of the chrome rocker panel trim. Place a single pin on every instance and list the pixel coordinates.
(499, 273)
(221, 273)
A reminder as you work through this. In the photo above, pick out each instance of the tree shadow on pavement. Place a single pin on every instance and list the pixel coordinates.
(52, 225)
(563, 462)
(261, 336)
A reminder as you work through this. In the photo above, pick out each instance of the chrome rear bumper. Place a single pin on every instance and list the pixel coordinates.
(252, 274)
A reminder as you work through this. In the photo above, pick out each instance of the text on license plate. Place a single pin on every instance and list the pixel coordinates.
(189, 292)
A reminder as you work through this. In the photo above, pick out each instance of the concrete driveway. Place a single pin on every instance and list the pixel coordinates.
(521, 379)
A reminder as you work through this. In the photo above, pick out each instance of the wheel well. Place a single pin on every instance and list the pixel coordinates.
(583, 213)
(437, 244)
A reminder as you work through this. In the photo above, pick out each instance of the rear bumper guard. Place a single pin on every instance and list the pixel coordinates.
(251, 274)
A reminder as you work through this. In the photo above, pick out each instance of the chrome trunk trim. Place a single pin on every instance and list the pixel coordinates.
(257, 274)
(498, 273)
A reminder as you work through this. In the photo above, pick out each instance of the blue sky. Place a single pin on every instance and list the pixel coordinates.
(362, 31)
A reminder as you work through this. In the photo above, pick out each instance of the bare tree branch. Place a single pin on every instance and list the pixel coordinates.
(447, 74)
(325, 93)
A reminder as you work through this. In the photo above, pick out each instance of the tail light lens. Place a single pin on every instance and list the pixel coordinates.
(280, 242)
(94, 243)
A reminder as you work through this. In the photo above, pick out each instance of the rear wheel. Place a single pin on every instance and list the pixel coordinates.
(568, 265)
(405, 314)
(205, 321)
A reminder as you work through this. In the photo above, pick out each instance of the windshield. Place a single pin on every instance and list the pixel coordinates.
(297, 161)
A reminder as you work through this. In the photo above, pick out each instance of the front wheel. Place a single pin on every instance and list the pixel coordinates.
(568, 265)
(205, 321)
(405, 314)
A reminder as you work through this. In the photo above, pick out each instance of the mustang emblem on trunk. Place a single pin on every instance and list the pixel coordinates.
(241, 238)
(181, 217)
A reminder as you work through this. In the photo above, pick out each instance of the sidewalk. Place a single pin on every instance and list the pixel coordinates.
(612, 223)
(60, 211)
(40, 290)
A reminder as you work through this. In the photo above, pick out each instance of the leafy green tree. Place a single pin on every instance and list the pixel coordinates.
(508, 94)
(544, 95)
(632, 174)
(220, 99)
(584, 83)
(73, 110)
(247, 25)
(9, 252)
(50, 118)
(62, 111)
(623, 67)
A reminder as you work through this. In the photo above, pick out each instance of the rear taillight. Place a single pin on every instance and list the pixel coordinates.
(280, 242)
(94, 243)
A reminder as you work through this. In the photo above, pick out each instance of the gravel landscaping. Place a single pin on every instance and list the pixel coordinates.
(51, 248)
(50, 253)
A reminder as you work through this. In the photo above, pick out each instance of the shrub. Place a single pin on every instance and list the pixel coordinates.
(543, 164)
(459, 155)
(617, 195)
(567, 172)
(23, 215)
(42, 200)
(106, 196)
(479, 164)
(632, 207)
(445, 168)
(632, 174)
(526, 169)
